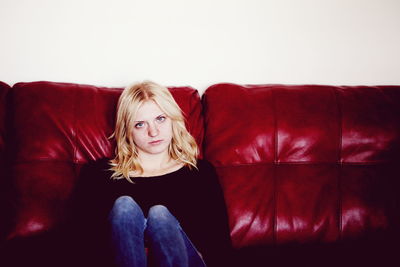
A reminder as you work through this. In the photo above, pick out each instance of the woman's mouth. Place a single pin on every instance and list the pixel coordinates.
(156, 142)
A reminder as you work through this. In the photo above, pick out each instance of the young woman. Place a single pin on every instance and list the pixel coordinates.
(168, 208)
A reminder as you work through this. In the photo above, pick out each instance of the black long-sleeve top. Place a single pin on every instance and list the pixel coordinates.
(193, 196)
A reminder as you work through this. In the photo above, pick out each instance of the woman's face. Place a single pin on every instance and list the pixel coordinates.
(152, 131)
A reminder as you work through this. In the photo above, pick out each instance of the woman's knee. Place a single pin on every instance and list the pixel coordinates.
(160, 214)
(162, 228)
(125, 206)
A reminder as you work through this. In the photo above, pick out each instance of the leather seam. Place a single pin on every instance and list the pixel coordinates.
(340, 165)
(275, 202)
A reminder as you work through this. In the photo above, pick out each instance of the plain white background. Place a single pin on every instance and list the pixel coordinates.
(199, 43)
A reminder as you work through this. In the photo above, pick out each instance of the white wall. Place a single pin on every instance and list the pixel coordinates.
(198, 43)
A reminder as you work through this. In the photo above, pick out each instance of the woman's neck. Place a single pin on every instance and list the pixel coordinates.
(158, 164)
(153, 162)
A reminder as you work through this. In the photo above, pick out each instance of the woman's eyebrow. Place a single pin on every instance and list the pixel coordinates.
(162, 114)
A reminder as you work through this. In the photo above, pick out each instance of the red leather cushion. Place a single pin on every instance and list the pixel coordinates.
(304, 163)
(57, 127)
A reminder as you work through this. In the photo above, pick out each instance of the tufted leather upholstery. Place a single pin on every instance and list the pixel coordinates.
(306, 165)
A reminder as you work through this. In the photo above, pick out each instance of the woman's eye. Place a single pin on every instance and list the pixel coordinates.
(161, 118)
(139, 125)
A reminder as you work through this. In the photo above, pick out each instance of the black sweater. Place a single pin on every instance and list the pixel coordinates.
(193, 196)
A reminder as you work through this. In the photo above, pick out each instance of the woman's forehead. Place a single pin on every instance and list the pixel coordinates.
(148, 110)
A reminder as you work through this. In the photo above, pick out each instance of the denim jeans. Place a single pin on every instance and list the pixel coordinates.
(131, 232)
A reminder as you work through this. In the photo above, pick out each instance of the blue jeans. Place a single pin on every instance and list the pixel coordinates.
(167, 243)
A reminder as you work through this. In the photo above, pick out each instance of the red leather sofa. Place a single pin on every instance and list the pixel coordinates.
(310, 173)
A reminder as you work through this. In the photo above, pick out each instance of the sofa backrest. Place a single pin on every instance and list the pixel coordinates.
(304, 164)
(58, 127)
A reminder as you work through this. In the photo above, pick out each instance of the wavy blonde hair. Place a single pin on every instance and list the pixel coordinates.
(183, 146)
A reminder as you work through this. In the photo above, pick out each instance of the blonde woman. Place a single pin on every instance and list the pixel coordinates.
(164, 198)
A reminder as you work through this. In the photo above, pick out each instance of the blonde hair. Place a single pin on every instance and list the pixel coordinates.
(183, 146)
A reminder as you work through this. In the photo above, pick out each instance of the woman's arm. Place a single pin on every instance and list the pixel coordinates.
(215, 244)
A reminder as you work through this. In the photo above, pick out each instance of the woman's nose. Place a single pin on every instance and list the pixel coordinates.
(153, 130)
